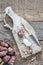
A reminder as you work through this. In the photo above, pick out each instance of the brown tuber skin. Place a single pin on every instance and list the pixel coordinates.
(3, 53)
(12, 60)
(4, 44)
(2, 48)
(0, 60)
(20, 33)
(11, 51)
(6, 58)
(7, 53)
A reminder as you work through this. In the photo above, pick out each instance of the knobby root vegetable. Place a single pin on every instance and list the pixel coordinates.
(11, 51)
(6, 58)
(7, 53)
(2, 48)
(4, 44)
(20, 33)
(12, 60)
(0, 60)
(3, 53)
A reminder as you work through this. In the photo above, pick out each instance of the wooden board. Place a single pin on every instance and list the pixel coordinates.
(39, 58)
(38, 27)
(4, 34)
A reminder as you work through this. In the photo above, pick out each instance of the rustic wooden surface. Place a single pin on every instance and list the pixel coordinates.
(7, 35)
(32, 9)
(37, 25)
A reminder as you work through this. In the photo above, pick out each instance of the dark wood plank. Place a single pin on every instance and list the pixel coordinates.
(38, 27)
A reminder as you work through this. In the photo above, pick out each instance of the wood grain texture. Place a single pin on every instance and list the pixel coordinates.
(39, 58)
(25, 16)
(7, 35)
(38, 27)
(32, 9)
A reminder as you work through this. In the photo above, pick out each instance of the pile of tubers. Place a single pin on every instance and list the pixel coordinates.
(7, 53)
